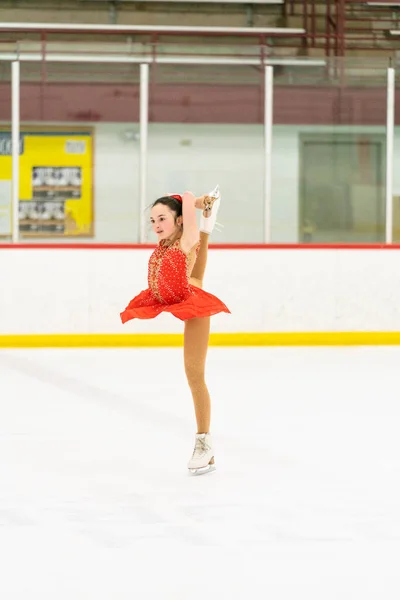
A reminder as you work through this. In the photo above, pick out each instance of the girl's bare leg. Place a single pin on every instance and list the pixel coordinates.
(196, 336)
(199, 267)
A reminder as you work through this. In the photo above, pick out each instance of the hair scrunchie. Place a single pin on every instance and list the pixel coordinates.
(176, 197)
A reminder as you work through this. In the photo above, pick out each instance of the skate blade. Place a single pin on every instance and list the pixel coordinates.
(203, 470)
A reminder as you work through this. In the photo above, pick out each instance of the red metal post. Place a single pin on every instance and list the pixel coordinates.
(343, 101)
(305, 23)
(313, 24)
(261, 95)
(153, 76)
(341, 26)
(336, 38)
(43, 76)
(328, 18)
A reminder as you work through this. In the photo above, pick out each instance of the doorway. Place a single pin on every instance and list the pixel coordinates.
(342, 191)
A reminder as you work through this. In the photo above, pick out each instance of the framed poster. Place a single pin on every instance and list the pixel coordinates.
(55, 180)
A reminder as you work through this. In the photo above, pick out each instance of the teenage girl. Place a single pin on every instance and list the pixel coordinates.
(175, 279)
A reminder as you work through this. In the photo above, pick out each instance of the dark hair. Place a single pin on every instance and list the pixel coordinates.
(172, 204)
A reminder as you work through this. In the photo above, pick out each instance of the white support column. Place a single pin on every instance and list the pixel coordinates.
(15, 127)
(144, 120)
(389, 153)
(268, 124)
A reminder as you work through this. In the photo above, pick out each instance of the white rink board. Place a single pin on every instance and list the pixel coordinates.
(268, 290)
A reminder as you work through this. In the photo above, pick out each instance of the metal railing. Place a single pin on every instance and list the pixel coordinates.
(347, 24)
(342, 29)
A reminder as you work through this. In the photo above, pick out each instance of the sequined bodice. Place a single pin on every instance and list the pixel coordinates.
(169, 272)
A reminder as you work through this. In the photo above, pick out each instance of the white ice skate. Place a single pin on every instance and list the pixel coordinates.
(209, 215)
(202, 460)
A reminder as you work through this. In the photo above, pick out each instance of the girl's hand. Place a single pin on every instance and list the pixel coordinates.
(200, 202)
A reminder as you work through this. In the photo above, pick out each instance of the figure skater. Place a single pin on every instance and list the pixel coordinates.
(175, 278)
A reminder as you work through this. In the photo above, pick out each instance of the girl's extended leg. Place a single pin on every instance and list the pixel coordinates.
(207, 223)
(197, 275)
(196, 336)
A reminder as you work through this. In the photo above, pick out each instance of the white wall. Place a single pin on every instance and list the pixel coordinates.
(116, 184)
(180, 156)
(83, 291)
(197, 156)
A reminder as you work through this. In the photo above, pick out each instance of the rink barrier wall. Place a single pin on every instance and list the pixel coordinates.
(171, 340)
(70, 295)
(96, 246)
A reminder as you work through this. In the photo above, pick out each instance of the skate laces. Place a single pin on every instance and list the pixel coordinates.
(201, 448)
(211, 198)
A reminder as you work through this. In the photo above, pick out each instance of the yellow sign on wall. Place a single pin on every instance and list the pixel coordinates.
(55, 181)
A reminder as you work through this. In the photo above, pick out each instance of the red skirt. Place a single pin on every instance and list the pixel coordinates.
(198, 304)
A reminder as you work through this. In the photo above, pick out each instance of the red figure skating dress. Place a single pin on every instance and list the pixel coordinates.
(169, 288)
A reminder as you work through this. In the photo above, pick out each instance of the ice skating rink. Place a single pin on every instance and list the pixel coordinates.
(96, 502)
